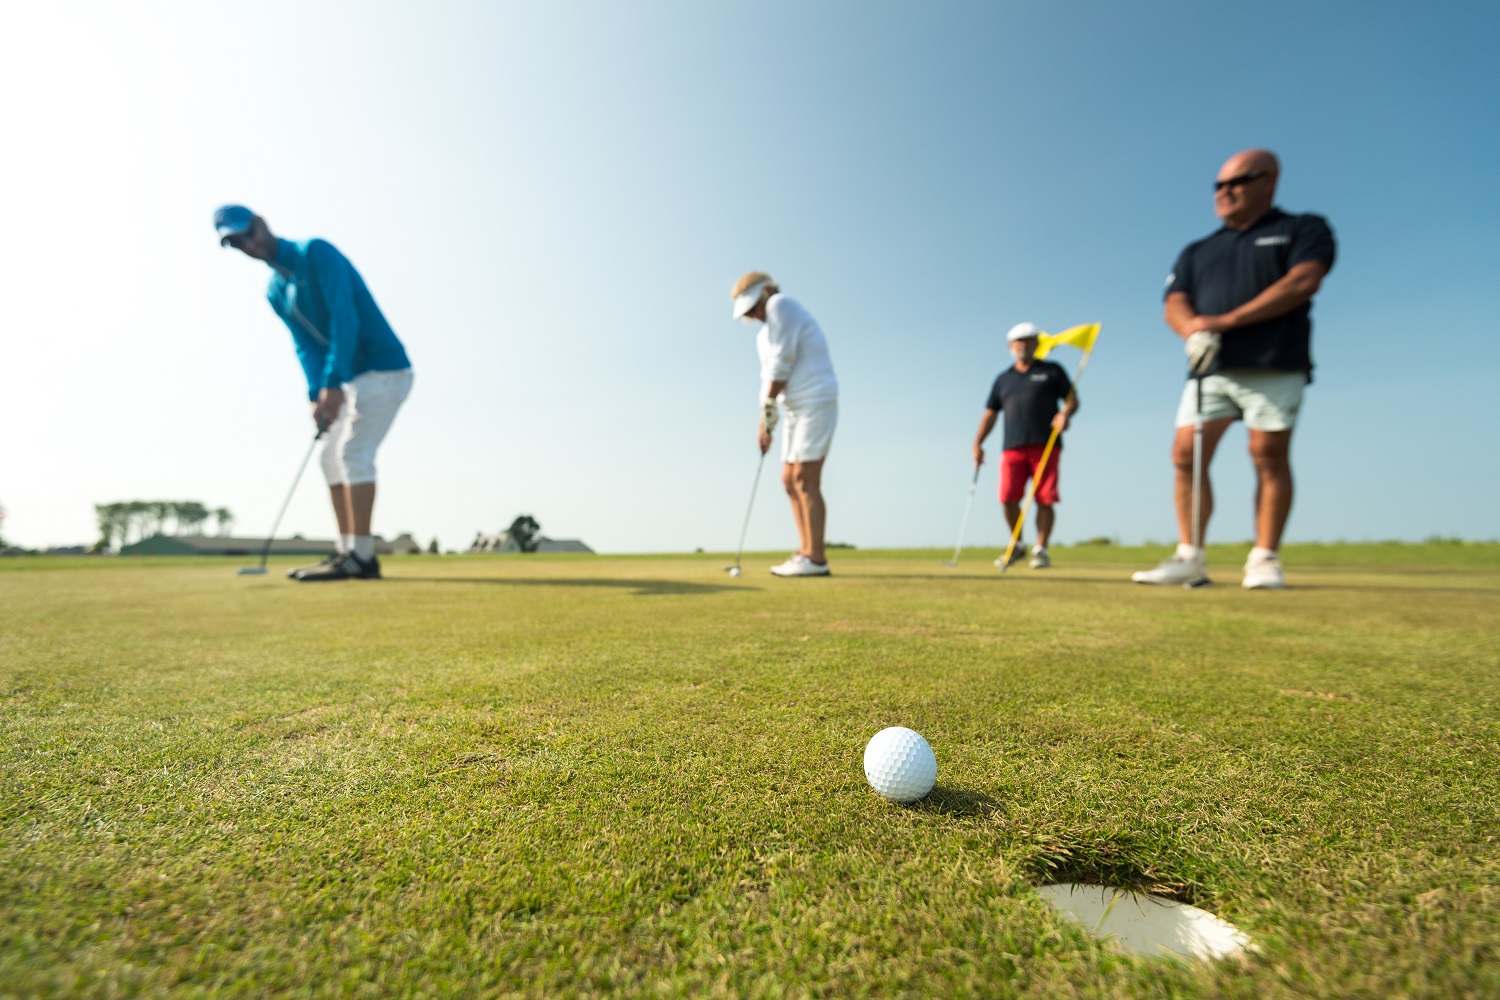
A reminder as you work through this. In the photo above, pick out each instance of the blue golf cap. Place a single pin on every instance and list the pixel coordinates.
(232, 220)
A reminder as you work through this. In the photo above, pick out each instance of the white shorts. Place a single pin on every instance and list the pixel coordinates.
(807, 432)
(1266, 399)
(370, 404)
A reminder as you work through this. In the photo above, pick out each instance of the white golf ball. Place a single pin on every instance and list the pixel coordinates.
(734, 571)
(899, 764)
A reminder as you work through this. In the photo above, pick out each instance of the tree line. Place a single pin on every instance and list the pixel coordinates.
(132, 520)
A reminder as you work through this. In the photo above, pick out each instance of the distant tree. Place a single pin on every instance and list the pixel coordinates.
(158, 511)
(432, 547)
(112, 526)
(190, 516)
(525, 532)
(129, 521)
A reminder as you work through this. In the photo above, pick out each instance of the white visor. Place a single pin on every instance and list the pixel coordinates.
(746, 300)
(1022, 331)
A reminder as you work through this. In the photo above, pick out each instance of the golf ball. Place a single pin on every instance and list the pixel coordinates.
(899, 764)
(734, 571)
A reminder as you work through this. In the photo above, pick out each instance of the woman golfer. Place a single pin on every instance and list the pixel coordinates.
(796, 371)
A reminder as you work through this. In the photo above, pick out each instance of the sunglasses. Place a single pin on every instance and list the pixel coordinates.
(1239, 181)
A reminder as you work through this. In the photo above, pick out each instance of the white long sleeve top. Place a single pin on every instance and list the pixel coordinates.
(792, 349)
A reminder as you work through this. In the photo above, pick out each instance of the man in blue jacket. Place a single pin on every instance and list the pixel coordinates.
(357, 373)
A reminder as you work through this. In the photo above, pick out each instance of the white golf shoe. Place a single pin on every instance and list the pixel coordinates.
(800, 565)
(1173, 570)
(1264, 574)
(1040, 559)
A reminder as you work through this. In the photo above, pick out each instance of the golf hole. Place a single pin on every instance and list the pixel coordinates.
(1145, 925)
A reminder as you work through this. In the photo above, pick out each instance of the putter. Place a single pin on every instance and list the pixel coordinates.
(963, 526)
(1202, 581)
(735, 569)
(265, 551)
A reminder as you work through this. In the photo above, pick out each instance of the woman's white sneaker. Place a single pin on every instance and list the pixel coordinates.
(782, 569)
(800, 565)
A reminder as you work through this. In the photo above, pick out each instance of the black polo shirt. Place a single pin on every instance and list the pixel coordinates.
(1229, 268)
(1029, 401)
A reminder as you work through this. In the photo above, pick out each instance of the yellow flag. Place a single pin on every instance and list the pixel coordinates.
(1081, 337)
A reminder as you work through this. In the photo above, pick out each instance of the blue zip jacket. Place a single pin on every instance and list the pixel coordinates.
(337, 327)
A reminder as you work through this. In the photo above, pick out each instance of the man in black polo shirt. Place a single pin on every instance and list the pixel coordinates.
(1028, 393)
(1241, 300)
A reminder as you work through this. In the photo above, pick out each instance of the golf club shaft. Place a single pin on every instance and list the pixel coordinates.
(963, 525)
(265, 551)
(755, 488)
(1197, 532)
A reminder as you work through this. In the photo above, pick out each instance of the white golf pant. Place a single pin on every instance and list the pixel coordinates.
(370, 404)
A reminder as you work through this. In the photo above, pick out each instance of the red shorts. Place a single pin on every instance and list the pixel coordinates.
(1019, 464)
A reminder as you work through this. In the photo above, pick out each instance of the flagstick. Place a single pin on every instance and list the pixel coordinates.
(1041, 466)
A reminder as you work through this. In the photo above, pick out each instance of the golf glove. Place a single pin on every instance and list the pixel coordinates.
(769, 415)
(1202, 349)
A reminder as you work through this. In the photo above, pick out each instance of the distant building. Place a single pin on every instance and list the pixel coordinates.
(502, 542)
(208, 545)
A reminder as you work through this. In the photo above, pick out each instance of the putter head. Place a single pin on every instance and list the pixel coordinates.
(251, 571)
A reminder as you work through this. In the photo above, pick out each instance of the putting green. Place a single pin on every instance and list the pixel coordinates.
(555, 775)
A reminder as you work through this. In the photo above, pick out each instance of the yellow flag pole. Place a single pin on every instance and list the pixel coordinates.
(1041, 466)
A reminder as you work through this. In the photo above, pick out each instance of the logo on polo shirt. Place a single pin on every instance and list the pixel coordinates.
(1038, 376)
(1273, 241)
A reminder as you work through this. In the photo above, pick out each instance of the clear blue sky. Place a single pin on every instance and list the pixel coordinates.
(551, 200)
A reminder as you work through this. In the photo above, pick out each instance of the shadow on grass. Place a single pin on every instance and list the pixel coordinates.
(957, 802)
(997, 577)
(646, 588)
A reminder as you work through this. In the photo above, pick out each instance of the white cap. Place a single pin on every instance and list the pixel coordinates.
(1021, 331)
(746, 300)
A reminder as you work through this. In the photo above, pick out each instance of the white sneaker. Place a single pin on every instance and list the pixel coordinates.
(1040, 559)
(1264, 574)
(781, 569)
(1173, 570)
(800, 565)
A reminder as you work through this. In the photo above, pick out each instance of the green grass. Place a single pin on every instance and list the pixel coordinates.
(561, 775)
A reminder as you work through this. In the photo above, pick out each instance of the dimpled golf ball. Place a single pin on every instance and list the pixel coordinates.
(734, 571)
(899, 764)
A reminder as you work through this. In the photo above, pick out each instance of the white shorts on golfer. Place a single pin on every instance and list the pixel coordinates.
(370, 404)
(1266, 399)
(808, 431)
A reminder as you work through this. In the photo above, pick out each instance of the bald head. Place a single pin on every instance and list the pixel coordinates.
(1246, 187)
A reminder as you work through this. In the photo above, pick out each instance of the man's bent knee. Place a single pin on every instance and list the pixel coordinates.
(1270, 451)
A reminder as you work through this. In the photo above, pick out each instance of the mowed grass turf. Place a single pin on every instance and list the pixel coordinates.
(562, 775)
